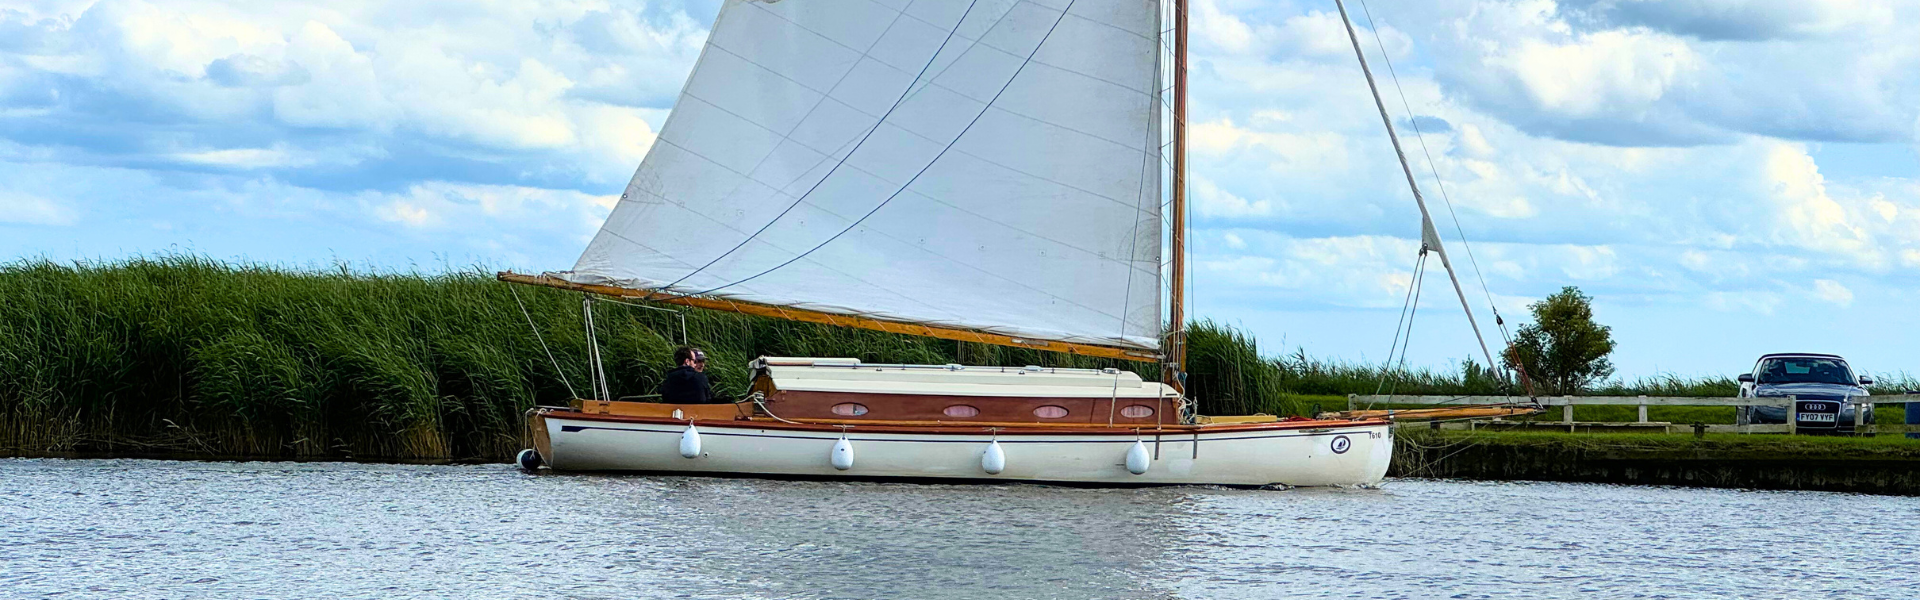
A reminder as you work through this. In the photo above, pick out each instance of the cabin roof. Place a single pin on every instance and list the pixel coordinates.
(849, 375)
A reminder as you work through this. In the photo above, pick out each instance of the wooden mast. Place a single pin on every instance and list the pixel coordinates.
(810, 316)
(1177, 337)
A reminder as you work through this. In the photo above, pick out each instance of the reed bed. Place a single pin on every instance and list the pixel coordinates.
(184, 355)
(187, 355)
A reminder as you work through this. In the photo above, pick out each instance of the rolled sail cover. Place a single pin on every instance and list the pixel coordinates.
(1012, 176)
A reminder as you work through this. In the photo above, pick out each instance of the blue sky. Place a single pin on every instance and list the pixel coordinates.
(1726, 178)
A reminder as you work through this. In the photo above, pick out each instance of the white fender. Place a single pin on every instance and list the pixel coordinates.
(690, 442)
(1138, 459)
(994, 460)
(843, 454)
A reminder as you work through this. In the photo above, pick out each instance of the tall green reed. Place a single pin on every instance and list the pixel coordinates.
(181, 353)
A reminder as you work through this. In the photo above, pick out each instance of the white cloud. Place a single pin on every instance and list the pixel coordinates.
(246, 158)
(1473, 142)
(1888, 211)
(1610, 73)
(405, 211)
(23, 209)
(1831, 291)
(1211, 201)
(550, 82)
(1807, 215)
(1745, 19)
(1685, 72)
(1750, 301)
(1366, 271)
(440, 204)
(1590, 263)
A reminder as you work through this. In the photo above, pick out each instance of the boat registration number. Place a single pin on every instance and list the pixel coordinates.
(1817, 417)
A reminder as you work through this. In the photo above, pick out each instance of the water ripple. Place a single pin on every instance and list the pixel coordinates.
(157, 529)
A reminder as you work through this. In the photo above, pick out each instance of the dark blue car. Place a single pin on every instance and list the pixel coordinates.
(1821, 385)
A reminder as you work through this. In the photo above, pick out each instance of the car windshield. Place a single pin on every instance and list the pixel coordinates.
(1805, 370)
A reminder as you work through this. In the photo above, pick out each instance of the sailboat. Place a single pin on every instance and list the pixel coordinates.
(986, 171)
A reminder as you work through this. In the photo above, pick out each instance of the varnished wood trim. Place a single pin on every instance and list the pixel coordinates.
(976, 429)
(537, 427)
(808, 316)
(696, 412)
(1236, 420)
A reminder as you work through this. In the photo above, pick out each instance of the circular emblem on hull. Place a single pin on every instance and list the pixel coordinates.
(1341, 444)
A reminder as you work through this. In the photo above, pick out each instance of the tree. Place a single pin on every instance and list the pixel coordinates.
(1563, 350)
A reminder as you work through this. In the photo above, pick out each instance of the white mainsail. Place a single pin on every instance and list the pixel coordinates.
(985, 164)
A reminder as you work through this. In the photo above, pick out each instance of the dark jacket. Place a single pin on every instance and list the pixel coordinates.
(684, 385)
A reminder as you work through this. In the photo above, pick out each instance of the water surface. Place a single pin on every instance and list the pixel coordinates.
(161, 529)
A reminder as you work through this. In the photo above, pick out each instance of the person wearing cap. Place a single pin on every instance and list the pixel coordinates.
(687, 383)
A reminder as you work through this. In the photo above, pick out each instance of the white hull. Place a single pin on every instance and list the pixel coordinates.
(1326, 454)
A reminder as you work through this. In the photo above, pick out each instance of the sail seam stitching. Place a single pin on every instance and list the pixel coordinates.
(1132, 264)
(1016, 75)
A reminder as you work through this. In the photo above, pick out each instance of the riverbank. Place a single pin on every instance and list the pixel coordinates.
(183, 357)
(1876, 465)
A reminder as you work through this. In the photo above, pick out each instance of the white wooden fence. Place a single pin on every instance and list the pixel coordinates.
(1566, 404)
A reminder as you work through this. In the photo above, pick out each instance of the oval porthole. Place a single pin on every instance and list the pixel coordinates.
(1137, 411)
(1050, 412)
(961, 411)
(849, 409)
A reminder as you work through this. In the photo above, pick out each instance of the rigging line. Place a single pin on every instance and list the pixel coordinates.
(923, 170)
(1413, 311)
(843, 160)
(1414, 285)
(543, 342)
(1412, 280)
(1431, 166)
(601, 388)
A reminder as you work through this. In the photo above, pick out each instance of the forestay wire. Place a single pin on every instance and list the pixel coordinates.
(1437, 180)
(1429, 239)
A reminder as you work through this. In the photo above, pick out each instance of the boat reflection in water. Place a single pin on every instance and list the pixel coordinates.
(919, 540)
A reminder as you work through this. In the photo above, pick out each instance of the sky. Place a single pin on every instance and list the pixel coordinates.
(1725, 178)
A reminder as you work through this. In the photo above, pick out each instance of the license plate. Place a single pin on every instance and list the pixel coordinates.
(1818, 417)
